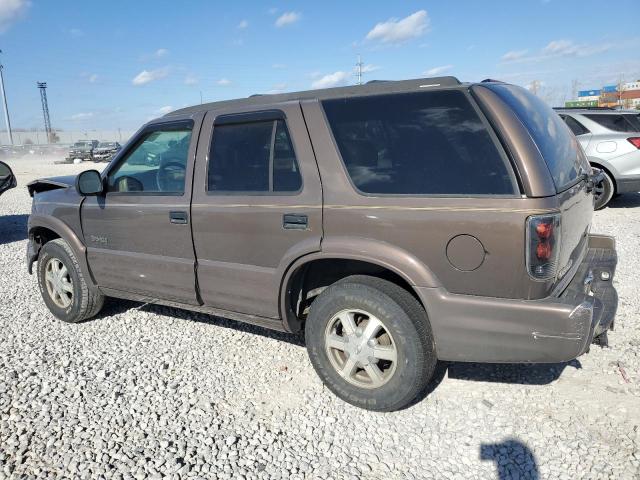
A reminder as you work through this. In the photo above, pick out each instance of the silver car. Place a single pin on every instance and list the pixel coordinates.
(611, 140)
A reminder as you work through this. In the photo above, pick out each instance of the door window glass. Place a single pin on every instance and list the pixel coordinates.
(156, 165)
(253, 157)
(576, 127)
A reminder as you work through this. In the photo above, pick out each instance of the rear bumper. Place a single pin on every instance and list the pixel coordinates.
(554, 329)
(629, 183)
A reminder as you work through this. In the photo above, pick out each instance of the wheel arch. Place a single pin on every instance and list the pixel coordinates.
(43, 229)
(309, 275)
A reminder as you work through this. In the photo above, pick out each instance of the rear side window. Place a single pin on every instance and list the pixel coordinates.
(617, 122)
(576, 127)
(558, 146)
(417, 143)
(253, 157)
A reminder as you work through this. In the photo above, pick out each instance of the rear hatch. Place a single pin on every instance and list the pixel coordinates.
(567, 165)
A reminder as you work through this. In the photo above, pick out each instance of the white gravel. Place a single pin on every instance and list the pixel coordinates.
(155, 392)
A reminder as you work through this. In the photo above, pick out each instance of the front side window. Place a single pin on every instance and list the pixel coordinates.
(253, 157)
(417, 143)
(157, 164)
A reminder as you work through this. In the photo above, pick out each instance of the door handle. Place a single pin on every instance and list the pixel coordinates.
(181, 218)
(294, 221)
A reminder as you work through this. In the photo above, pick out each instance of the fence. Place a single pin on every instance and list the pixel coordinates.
(39, 137)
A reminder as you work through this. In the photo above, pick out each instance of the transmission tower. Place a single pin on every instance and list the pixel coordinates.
(45, 109)
(358, 73)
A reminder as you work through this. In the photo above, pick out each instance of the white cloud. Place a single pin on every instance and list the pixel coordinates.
(164, 110)
(243, 24)
(191, 80)
(370, 68)
(556, 49)
(287, 18)
(161, 52)
(278, 66)
(332, 80)
(82, 116)
(272, 11)
(93, 78)
(10, 11)
(224, 82)
(148, 76)
(396, 31)
(438, 70)
(278, 88)
(76, 33)
(514, 55)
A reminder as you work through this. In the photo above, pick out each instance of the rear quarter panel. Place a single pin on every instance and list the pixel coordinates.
(424, 226)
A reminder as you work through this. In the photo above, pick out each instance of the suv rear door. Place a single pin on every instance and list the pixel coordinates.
(257, 205)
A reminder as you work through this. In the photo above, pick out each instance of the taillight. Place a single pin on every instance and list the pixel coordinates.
(543, 245)
(635, 141)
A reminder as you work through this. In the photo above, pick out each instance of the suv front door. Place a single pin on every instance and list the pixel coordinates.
(257, 206)
(137, 233)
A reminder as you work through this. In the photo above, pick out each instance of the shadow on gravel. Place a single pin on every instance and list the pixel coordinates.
(523, 374)
(13, 228)
(513, 459)
(625, 200)
(114, 306)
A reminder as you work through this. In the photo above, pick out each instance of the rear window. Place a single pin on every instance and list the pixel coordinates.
(417, 143)
(618, 122)
(556, 143)
(576, 127)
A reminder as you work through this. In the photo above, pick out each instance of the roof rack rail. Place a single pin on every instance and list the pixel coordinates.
(486, 80)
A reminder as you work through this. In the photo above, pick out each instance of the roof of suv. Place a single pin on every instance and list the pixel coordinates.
(371, 88)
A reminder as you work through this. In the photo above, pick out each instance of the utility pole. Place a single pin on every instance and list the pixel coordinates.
(359, 66)
(4, 102)
(45, 109)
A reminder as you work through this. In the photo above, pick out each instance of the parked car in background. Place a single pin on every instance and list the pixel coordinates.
(611, 141)
(394, 223)
(105, 151)
(83, 150)
(7, 178)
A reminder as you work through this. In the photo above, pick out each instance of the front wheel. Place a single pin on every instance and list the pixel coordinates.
(603, 191)
(370, 342)
(63, 286)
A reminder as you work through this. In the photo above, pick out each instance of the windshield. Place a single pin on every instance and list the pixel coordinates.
(555, 141)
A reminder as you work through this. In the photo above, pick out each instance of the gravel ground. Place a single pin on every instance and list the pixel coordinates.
(155, 392)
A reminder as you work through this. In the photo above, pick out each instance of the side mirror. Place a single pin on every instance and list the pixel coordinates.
(7, 178)
(89, 182)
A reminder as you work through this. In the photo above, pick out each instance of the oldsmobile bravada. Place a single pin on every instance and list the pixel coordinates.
(394, 223)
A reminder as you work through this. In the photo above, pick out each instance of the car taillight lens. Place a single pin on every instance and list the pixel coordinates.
(635, 141)
(543, 245)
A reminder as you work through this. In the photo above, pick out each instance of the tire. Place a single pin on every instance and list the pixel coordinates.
(604, 191)
(403, 327)
(68, 297)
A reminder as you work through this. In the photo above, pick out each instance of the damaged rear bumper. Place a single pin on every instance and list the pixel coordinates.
(553, 329)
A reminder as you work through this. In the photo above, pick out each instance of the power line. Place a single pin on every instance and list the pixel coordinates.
(4, 101)
(45, 109)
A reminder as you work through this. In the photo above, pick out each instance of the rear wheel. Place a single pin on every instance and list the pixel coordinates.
(604, 191)
(63, 287)
(370, 342)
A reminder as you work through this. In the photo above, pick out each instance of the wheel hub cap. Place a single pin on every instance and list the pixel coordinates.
(360, 348)
(58, 283)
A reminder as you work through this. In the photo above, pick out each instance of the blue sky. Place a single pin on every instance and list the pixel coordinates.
(116, 64)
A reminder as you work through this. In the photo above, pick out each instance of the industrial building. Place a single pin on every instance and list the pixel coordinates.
(625, 95)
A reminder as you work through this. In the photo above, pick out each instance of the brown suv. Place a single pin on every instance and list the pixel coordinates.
(395, 223)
